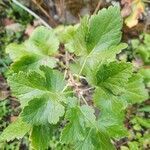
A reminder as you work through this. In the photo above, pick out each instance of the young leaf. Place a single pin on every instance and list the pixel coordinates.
(16, 51)
(65, 33)
(143, 49)
(44, 40)
(17, 129)
(78, 42)
(143, 122)
(40, 137)
(35, 51)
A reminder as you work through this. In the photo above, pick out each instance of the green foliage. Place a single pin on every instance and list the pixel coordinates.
(135, 92)
(27, 86)
(13, 24)
(15, 12)
(81, 117)
(48, 99)
(142, 49)
(18, 127)
(138, 137)
(40, 136)
(33, 53)
(146, 75)
(98, 32)
(112, 77)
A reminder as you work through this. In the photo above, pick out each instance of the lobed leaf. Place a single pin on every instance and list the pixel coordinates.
(97, 33)
(94, 140)
(135, 90)
(41, 89)
(104, 29)
(27, 86)
(111, 116)
(113, 76)
(79, 118)
(43, 110)
(40, 94)
(40, 137)
(35, 51)
(17, 129)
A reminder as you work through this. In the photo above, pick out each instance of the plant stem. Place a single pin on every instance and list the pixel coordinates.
(82, 66)
(84, 100)
(65, 88)
(85, 60)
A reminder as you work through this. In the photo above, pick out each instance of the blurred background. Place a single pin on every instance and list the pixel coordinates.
(19, 18)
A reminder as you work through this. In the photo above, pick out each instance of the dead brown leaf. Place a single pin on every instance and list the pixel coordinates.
(133, 9)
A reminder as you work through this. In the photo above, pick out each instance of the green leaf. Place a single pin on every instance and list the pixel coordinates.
(27, 86)
(40, 137)
(101, 141)
(79, 118)
(146, 76)
(44, 40)
(78, 42)
(43, 110)
(97, 33)
(33, 63)
(144, 109)
(104, 29)
(86, 143)
(65, 33)
(96, 58)
(112, 105)
(82, 130)
(105, 56)
(17, 129)
(35, 51)
(113, 76)
(142, 49)
(16, 51)
(143, 122)
(133, 145)
(135, 90)
(97, 39)
(111, 116)
(94, 140)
